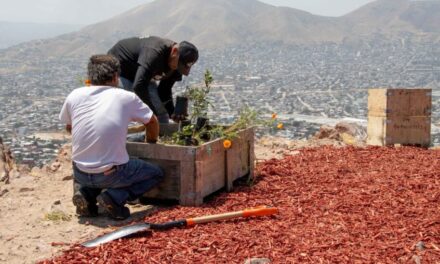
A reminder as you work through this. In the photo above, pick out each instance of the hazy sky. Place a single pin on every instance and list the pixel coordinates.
(90, 11)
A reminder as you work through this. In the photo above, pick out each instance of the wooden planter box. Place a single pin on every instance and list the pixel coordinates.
(192, 173)
(399, 116)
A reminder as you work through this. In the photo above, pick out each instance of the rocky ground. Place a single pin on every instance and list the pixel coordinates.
(38, 218)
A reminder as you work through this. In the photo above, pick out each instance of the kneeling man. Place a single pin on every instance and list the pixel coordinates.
(98, 116)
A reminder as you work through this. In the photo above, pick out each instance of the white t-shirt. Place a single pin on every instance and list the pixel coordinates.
(99, 116)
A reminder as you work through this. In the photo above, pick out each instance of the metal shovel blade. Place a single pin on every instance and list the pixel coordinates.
(120, 233)
(129, 230)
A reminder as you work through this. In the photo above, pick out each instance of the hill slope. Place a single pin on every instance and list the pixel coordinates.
(394, 17)
(14, 33)
(217, 23)
(213, 23)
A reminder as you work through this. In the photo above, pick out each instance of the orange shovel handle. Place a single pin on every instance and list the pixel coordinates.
(259, 211)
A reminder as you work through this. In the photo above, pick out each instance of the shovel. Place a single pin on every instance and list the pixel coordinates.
(132, 229)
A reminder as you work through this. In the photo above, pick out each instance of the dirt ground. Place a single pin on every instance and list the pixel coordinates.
(38, 218)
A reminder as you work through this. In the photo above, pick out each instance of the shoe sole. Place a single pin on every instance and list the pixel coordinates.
(81, 204)
(105, 204)
(109, 207)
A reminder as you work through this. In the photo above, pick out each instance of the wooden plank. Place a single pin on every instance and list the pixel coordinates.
(212, 174)
(399, 102)
(169, 188)
(188, 193)
(251, 152)
(409, 102)
(198, 183)
(412, 130)
(376, 130)
(231, 166)
(377, 102)
(240, 158)
(209, 149)
(246, 157)
(136, 129)
(160, 151)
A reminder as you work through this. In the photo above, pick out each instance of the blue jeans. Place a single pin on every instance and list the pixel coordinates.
(128, 182)
(162, 114)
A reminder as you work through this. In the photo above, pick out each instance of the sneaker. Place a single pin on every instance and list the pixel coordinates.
(84, 207)
(115, 211)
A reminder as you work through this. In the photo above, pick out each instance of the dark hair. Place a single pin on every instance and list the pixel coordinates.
(188, 52)
(102, 68)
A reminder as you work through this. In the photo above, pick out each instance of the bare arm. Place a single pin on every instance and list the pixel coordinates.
(152, 133)
(69, 129)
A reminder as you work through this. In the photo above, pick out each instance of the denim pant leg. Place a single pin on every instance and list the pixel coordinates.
(125, 84)
(128, 182)
(136, 178)
(162, 114)
(89, 193)
(87, 184)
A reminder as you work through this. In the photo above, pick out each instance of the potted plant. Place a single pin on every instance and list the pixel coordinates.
(200, 102)
(198, 130)
(197, 97)
(181, 107)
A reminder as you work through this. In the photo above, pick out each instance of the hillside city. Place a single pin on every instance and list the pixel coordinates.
(307, 86)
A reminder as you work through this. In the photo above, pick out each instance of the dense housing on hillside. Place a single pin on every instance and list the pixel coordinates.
(306, 85)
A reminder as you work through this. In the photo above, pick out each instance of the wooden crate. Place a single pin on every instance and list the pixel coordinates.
(192, 173)
(399, 116)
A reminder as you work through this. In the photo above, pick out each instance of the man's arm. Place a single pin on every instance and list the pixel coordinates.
(166, 94)
(152, 133)
(69, 129)
(140, 86)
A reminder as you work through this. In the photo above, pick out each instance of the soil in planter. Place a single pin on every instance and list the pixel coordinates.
(185, 123)
(190, 141)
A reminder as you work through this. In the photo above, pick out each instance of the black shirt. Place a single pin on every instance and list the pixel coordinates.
(143, 60)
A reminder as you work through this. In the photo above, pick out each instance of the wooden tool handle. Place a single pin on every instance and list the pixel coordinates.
(136, 129)
(259, 211)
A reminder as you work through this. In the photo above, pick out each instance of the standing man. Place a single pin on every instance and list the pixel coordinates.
(98, 117)
(146, 61)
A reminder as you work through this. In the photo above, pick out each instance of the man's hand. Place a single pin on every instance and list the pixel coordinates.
(152, 133)
(178, 118)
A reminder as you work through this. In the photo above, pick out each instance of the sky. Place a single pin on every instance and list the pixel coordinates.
(84, 12)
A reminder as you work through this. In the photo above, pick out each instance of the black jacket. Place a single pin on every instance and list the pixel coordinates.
(143, 60)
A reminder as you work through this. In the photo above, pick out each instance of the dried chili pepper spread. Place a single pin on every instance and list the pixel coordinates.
(337, 205)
